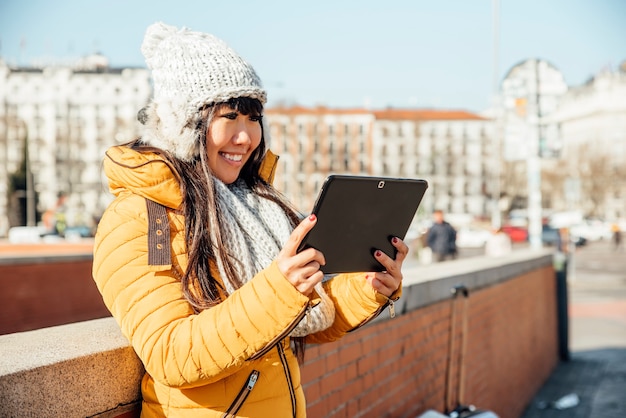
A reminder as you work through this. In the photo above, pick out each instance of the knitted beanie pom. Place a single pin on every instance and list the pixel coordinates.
(155, 34)
(163, 130)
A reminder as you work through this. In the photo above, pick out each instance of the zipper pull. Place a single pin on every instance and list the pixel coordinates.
(252, 379)
(392, 309)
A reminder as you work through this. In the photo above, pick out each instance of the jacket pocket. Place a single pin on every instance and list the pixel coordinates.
(242, 395)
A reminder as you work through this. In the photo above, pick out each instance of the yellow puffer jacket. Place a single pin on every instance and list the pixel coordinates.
(231, 360)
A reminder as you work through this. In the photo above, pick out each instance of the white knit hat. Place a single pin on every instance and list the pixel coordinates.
(189, 70)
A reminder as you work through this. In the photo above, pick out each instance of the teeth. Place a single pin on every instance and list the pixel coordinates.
(233, 157)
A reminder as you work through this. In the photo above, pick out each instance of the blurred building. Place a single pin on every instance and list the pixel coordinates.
(592, 123)
(69, 114)
(577, 132)
(531, 93)
(315, 142)
(450, 149)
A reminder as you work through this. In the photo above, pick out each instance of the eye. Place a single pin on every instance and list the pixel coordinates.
(230, 115)
(256, 118)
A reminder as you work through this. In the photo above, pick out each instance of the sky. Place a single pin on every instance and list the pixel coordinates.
(446, 54)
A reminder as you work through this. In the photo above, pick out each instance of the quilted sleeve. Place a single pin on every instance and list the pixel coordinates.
(177, 347)
(356, 302)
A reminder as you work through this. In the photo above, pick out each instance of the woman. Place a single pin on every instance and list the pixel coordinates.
(196, 256)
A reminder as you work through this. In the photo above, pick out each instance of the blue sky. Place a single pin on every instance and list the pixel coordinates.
(412, 53)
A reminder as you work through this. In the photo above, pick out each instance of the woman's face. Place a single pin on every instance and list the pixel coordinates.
(231, 139)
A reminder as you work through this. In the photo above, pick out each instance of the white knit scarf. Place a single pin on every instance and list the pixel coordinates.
(254, 230)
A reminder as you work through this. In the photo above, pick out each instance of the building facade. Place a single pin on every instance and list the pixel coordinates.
(69, 115)
(531, 92)
(592, 123)
(449, 149)
(315, 142)
(576, 134)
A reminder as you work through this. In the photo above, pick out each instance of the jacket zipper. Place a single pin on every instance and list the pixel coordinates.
(252, 379)
(292, 392)
(280, 336)
(243, 394)
(392, 314)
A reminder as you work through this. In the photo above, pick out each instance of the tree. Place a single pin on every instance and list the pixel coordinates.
(17, 192)
(601, 173)
(514, 184)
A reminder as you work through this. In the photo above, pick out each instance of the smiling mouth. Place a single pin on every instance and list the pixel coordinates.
(232, 157)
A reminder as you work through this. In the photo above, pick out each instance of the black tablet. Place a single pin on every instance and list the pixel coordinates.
(356, 215)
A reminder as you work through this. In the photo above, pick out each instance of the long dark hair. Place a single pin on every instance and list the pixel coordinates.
(203, 235)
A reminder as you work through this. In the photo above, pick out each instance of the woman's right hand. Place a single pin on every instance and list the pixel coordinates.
(302, 269)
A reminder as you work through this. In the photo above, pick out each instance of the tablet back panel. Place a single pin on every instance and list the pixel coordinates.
(358, 215)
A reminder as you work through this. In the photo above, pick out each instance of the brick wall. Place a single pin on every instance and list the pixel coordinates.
(398, 368)
(53, 291)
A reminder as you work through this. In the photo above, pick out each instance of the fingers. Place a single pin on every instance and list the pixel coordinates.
(310, 255)
(306, 283)
(298, 234)
(403, 249)
(388, 281)
(304, 260)
(383, 282)
(302, 269)
(392, 265)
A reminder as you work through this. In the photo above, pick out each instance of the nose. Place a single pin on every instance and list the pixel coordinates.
(242, 134)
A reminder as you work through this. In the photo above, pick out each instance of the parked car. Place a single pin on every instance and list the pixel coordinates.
(25, 234)
(592, 230)
(81, 231)
(552, 237)
(516, 233)
(472, 237)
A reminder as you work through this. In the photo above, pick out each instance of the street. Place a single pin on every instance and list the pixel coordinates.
(597, 297)
(595, 375)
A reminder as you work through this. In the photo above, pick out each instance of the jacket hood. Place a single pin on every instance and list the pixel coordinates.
(150, 176)
(144, 174)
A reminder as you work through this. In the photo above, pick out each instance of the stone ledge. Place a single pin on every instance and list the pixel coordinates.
(81, 369)
(60, 257)
(425, 285)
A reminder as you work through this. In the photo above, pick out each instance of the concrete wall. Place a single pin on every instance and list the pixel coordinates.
(391, 367)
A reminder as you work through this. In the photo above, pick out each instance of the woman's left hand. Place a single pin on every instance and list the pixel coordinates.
(388, 281)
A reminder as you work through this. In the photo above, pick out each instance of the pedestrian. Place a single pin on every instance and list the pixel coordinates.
(498, 244)
(617, 237)
(196, 257)
(441, 238)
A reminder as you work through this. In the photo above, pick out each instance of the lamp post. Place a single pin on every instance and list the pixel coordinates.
(496, 218)
(533, 162)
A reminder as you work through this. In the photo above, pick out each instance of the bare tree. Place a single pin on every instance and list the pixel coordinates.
(514, 184)
(602, 175)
